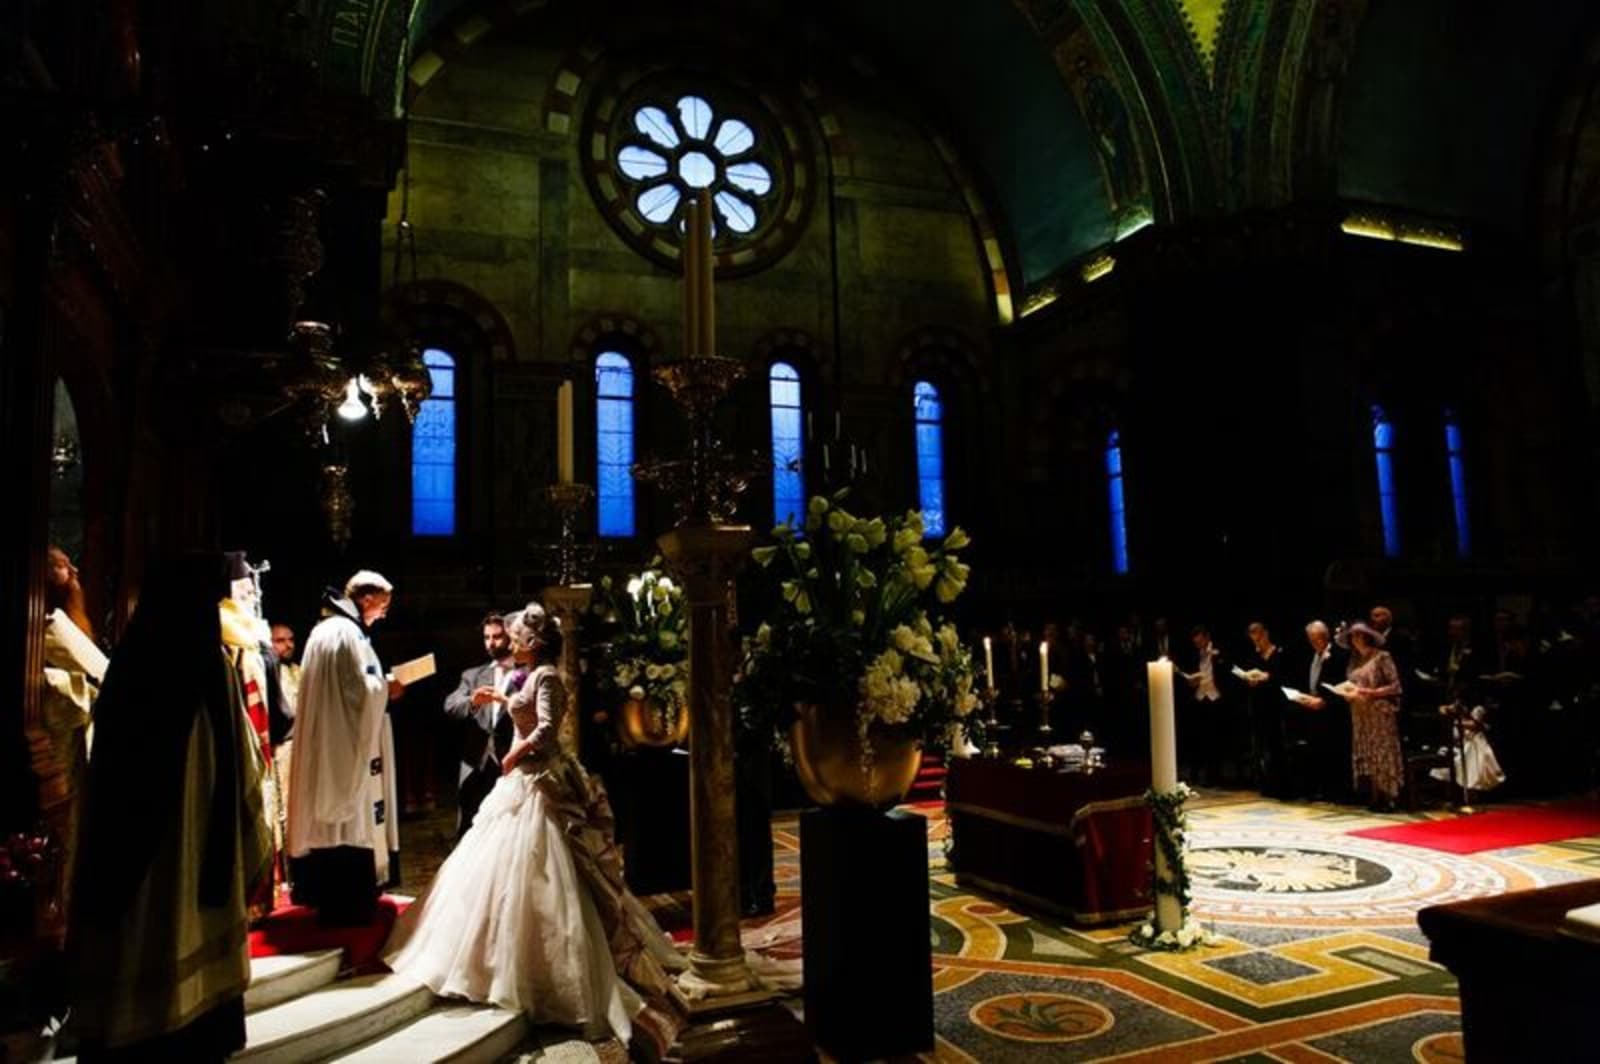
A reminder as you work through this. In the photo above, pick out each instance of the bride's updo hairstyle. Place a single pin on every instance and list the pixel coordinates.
(532, 628)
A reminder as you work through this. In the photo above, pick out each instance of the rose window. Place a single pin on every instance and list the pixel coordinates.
(680, 150)
(656, 143)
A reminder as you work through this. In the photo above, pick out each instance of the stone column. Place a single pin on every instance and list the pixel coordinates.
(705, 559)
(566, 605)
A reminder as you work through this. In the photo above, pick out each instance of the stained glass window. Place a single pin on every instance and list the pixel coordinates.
(433, 451)
(930, 456)
(1388, 507)
(788, 470)
(1119, 516)
(675, 150)
(613, 378)
(1458, 485)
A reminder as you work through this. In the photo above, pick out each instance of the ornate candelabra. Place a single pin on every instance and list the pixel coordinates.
(707, 484)
(569, 501)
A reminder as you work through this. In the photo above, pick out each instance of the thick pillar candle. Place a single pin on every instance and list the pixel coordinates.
(705, 289)
(1163, 775)
(691, 279)
(988, 662)
(564, 433)
(1044, 666)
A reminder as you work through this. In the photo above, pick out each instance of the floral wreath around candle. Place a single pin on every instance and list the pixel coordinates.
(646, 659)
(1171, 835)
(854, 619)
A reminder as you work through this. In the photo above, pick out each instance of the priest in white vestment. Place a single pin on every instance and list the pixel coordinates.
(342, 814)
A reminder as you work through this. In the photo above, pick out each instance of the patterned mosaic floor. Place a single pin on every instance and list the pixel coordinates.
(1318, 959)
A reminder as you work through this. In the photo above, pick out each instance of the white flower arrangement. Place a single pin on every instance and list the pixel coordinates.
(853, 623)
(646, 659)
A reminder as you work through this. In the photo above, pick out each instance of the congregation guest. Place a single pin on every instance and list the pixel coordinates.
(1127, 703)
(174, 839)
(1207, 728)
(1087, 677)
(480, 700)
(342, 835)
(1323, 717)
(1398, 643)
(1374, 705)
(1458, 665)
(1160, 643)
(1266, 676)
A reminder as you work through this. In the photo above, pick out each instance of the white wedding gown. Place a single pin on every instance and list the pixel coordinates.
(515, 917)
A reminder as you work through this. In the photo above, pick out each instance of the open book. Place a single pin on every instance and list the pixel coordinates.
(1295, 695)
(1344, 689)
(1583, 923)
(1250, 675)
(409, 672)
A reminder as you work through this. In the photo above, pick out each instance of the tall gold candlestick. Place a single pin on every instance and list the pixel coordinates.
(705, 286)
(691, 279)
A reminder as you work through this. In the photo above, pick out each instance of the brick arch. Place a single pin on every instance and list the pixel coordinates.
(957, 353)
(765, 350)
(440, 307)
(592, 335)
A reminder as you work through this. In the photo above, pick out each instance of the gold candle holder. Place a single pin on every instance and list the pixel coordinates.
(1046, 698)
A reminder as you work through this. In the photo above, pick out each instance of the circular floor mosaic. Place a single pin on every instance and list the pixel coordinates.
(1041, 1017)
(1297, 876)
(1279, 869)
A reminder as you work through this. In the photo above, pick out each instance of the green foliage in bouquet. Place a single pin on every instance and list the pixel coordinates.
(647, 657)
(857, 623)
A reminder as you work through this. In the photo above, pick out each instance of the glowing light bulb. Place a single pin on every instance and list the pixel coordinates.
(352, 409)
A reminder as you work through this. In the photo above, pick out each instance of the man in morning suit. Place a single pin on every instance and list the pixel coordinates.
(480, 700)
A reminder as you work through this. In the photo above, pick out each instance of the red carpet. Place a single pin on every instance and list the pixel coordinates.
(1495, 831)
(294, 929)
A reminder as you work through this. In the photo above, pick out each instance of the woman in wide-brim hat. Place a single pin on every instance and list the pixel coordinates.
(1374, 711)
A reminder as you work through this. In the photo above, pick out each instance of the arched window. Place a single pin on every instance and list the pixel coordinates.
(433, 451)
(1388, 508)
(613, 378)
(788, 469)
(1119, 516)
(930, 456)
(1458, 484)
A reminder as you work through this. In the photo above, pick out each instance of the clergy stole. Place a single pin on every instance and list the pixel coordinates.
(243, 635)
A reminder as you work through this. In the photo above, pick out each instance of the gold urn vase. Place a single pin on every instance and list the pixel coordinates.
(646, 722)
(828, 758)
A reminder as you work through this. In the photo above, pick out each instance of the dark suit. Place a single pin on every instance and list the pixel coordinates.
(486, 739)
(1319, 739)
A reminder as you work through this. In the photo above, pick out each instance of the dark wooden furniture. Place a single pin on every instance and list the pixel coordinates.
(1076, 844)
(1527, 990)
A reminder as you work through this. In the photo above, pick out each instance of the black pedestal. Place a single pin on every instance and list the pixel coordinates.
(868, 955)
(654, 830)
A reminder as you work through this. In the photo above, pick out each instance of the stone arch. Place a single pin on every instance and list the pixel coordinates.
(449, 310)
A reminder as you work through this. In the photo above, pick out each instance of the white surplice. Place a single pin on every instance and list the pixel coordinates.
(342, 791)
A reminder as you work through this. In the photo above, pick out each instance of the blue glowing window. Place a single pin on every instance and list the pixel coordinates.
(1119, 513)
(930, 457)
(1388, 507)
(433, 452)
(788, 470)
(1458, 485)
(613, 378)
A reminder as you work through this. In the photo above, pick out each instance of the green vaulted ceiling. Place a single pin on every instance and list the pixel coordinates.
(1081, 119)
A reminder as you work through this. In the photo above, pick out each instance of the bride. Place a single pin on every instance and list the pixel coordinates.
(530, 912)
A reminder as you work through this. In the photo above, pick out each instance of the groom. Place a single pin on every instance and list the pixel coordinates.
(480, 700)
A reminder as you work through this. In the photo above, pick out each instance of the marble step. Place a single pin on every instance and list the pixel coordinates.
(274, 980)
(453, 1032)
(333, 1019)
